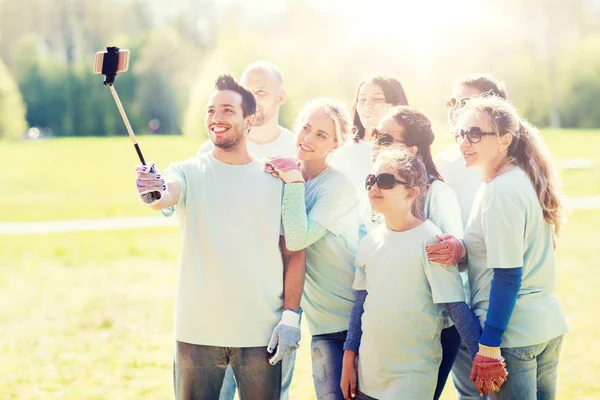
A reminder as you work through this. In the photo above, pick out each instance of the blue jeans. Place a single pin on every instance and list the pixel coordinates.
(450, 340)
(461, 375)
(198, 372)
(287, 370)
(327, 353)
(532, 371)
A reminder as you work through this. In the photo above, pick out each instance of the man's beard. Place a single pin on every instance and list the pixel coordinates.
(231, 142)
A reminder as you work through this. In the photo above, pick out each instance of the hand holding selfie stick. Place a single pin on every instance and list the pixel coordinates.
(108, 64)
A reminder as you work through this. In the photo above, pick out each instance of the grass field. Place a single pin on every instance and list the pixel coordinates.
(89, 315)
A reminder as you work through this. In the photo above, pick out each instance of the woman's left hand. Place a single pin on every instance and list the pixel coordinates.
(489, 370)
(287, 169)
(448, 250)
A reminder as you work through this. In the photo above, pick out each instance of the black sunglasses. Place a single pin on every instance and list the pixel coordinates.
(383, 138)
(453, 102)
(473, 135)
(384, 181)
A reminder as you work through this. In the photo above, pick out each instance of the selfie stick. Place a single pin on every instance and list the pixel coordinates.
(109, 70)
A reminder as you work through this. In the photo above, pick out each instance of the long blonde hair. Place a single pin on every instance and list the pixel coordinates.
(527, 150)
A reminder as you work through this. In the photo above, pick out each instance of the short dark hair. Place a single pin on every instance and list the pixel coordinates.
(485, 83)
(392, 91)
(227, 82)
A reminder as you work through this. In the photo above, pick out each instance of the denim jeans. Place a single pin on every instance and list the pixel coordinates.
(287, 370)
(532, 371)
(198, 372)
(327, 355)
(450, 340)
(461, 376)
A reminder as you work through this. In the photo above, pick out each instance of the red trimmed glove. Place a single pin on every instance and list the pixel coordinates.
(488, 373)
(285, 168)
(447, 251)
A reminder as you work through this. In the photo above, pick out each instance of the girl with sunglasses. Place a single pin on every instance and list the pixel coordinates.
(320, 214)
(374, 97)
(510, 242)
(409, 127)
(399, 337)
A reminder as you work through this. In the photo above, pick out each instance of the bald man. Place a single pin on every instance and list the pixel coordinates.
(266, 139)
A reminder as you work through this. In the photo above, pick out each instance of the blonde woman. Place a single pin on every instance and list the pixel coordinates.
(320, 214)
(510, 243)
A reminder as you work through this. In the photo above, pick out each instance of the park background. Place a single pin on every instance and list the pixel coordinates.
(87, 314)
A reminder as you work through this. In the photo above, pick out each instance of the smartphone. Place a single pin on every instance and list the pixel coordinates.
(122, 65)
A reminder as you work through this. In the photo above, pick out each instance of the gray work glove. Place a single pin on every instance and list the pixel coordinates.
(149, 180)
(286, 336)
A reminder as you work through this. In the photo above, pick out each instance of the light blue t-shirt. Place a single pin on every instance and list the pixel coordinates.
(328, 298)
(400, 350)
(230, 286)
(507, 230)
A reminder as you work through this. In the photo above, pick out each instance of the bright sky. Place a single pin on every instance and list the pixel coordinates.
(420, 18)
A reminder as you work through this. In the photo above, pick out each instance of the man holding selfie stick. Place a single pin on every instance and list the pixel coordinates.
(239, 289)
(267, 139)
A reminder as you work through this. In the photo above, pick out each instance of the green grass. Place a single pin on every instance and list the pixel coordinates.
(94, 178)
(80, 177)
(88, 315)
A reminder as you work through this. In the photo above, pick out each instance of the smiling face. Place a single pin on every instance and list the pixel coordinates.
(371, 105)
(317, 136)
(489, 152)
(225, 122)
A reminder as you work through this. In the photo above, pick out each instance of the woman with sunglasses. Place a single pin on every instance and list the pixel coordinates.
(406, 126)
(374, 97)
(399, 342)
(320, 214)
(510, 241)
(465, 182)
(450, 163)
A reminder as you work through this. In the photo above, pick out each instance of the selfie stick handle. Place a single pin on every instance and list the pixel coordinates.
(109, 66)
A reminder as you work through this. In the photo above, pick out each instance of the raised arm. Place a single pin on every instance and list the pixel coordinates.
(150, 180)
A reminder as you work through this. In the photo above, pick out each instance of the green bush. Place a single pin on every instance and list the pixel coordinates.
(12, 109)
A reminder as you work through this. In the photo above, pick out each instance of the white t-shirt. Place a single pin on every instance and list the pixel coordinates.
(284, 145)
(464, 181)
(354, 159)
(400, 350)
(441, 208)
(230, 287)
(507, 230)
